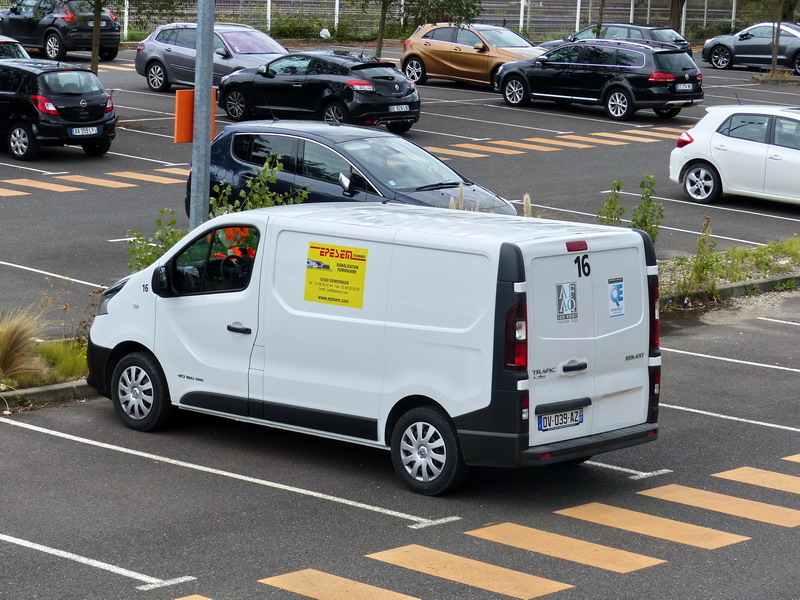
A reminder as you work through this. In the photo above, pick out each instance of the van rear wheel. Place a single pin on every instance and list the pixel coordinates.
(139, 392)
(425, 452)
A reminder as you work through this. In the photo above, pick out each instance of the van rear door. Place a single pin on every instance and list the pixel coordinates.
(588, 335)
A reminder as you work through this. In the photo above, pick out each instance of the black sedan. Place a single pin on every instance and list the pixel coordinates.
(343, 163)
(337, 87)
(752, 47)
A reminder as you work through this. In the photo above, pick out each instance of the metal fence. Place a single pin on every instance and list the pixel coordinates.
(541, 19)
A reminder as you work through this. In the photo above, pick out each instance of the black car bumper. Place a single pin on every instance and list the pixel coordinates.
(382, 111)
(82, 40)
(58, 132)
(489, 449)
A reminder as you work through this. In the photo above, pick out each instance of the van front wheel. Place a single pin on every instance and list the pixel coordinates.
(139, 392)
(425, 452)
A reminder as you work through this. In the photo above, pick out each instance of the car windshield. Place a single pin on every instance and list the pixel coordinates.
(504, 38)
(667, 35)
(399, 164)
(674, 61)
(12, 50)
(71, 82)
(252, 42)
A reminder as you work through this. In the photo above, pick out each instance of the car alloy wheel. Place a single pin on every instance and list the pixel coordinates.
(619, 104)
(415, 70)
(721, 57)
(797, 63)
(157, 78)
(53, 48)
(515, 91)
(335, 112)
(702, 183)
(236, 105)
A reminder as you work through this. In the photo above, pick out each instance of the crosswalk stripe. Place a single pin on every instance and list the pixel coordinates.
(795, 458)
(470, 572)
(628, 138)
(95, 181)
(115, 68)
(451, 152)
(567, 548)
(145, 177)
(762, 478)
(650, 132)
(658, 527)
(526, 146)
(559, 143)
(583, 138)
(43, 185)
(730, 505)
(488, 149)
(324, 586)
(5, 192)
(175, 171)
(672, 129)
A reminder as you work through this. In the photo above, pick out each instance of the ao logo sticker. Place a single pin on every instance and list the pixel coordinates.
(616, 297)
(567, 302)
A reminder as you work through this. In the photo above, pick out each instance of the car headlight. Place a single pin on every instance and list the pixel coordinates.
(108, 294)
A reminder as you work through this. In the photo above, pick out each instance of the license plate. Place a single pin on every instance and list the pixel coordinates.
(398, 108)
(570, 418)
(102, 23)
(684, 87)
(84, 131)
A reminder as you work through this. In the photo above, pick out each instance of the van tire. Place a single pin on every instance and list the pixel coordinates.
(139, 392)
(425, 452)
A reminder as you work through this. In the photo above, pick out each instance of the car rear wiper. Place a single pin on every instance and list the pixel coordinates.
(438, 186)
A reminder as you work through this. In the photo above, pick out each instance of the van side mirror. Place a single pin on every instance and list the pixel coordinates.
(160, 281)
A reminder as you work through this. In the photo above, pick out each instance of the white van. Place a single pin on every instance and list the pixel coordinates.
(452, 338)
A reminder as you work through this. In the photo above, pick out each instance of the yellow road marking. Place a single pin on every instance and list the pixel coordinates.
(559, 143)
(115, 68)
(619, 136)
(795, 458)
(145, 177)
(323, 586)
(43, 185)
(730, 505)
(672, 129)
(175, 171)
(470, 572)
(567, 548)
(95, 181)
(5, 192)
(526, 146)
(651, 133)
(658, 527)
(488, 149)
(762, 478)
(454, 152)
(583, 138)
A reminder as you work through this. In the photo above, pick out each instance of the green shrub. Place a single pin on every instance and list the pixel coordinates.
(649, 214)
(612, 211)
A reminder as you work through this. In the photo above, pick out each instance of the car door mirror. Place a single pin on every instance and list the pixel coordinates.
(745, 36)
(266, 71)
(223, 52)
(570, 38)
(160, 281)
(14, 10)
(542, 59)
(480, 47)
(347, 183)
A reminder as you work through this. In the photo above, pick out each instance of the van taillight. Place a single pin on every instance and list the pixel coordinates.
(43, 105)
(516, 351)
(684, 140)
(655, 319)
(525, 407)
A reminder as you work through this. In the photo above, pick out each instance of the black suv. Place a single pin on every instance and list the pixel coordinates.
(43, 103)
(647, 34)
(621, 76)
(57, 26)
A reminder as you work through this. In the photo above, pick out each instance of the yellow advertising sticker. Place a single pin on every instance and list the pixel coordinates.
(335, 275)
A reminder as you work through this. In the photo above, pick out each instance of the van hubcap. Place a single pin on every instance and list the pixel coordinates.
(135, 392)
(423, 451)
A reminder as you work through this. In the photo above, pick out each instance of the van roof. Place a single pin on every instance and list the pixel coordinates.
(431, 221)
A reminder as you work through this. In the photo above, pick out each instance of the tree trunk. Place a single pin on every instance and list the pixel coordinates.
(98, 11)
(600, 10)
(382, 26)
(675, 11)
(787, 12)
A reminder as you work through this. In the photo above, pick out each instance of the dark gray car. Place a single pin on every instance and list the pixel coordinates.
(752, 47)
(167, 56)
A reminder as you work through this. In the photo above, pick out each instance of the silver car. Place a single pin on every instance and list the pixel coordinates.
(167, 56)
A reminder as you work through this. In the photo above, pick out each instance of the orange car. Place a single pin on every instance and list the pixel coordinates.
(468, 53)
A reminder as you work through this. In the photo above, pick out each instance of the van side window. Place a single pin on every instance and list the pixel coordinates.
(220, 261)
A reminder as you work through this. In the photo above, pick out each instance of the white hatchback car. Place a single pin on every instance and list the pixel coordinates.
(744, 150)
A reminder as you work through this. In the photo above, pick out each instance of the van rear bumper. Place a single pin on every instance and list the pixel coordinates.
(489, 449)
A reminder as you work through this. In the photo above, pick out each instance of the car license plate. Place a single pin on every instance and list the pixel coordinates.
(84, 131)
(102, 23)
(398, 108)
(684, 87)
(570, 418)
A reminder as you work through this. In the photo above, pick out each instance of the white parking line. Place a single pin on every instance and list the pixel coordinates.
(49, 274)
(151, 583)
(418, 522)
(730, 418)
(779, 321)
(733, 360)
(634, 474)
(32, 169)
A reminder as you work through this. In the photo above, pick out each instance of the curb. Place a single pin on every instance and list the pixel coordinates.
(80, 390)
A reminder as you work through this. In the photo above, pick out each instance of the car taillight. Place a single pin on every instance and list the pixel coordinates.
(69, 17)
(109, 105)
(516, 342)
(661, 77)
(689, 47)
(684, 140)
(112, 16)
(140, 47)
(699, 76)
(43, 105)
(407, 42)
(361, 86)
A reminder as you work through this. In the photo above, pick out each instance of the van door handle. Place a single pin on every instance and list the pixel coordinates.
(239, 328)
(571, 368)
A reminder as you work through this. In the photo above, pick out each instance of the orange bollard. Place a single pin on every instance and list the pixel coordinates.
(184, 115)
